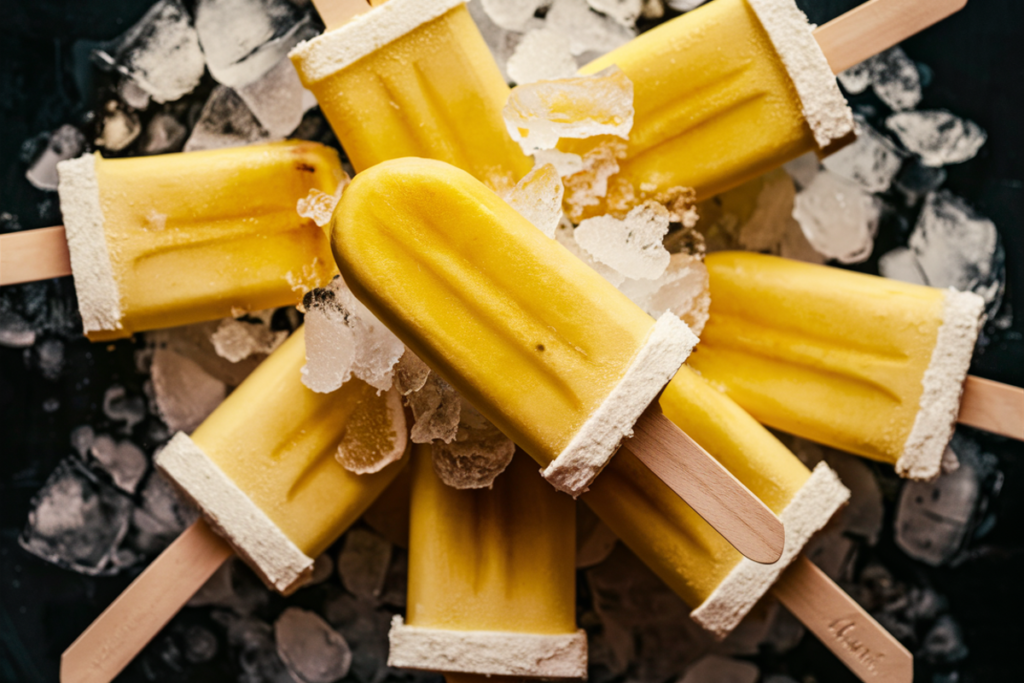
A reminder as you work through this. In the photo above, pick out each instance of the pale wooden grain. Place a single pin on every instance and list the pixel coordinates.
(860, 642)
(145, 607)
(876, 26)
(34, 255)
(337, 13)
(993, 406)
(706, 486)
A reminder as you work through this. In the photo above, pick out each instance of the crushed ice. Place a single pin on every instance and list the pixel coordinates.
(538, 198)
(477, 454)
(838, 217)
(318, 206)
(312, 650)
(938, 137)
(633, 246)
(236, 340)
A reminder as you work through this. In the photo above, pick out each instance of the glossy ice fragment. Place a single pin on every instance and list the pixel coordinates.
(624, 12)
(236, 340)
(477, 454)
(591, 35)
(411, 373)
(375, 435)
(363, 563)
(122, 460)
(277, 99)
(225, 121)
(185, 393)
(873, 161)
(542, 54)
(163, 515)
(895, 79)
(163, 134)
(901, 264)
(838, 217)
(318, 206)
(939, 137)
(312, 650)
(121, 407)
(118, 128)
(436, 407)
(512, 15)
(632, 246)
(67, 142)
(682, 289)
(538, 198)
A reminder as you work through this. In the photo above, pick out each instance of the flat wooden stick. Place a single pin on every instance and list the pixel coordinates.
(706, 486)
(993, 406)
(145, 607)
(860, 642)
(34, 255)
(337, 13)
(876, 26)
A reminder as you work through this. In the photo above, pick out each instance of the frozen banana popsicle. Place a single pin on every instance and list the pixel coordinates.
(262, 469)
(412, 78)
(174, 239)
(858, 362)
(492, 578)
(558, 359)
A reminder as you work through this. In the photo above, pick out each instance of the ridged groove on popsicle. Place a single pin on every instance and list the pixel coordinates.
(811, 508)
(500, 653)
(233, 514)
(963, 314)
(99, 299)
(824, 106)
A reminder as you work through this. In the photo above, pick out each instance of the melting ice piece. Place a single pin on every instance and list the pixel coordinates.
(719, 669)
(587, 182)
(161, 53)
(122, 460)
(343, 339)
(565, 235)
(163, 515)
(225, 121)
(933, 518)
(411, 373)
(477, 455)
(684, 5)
(363, 563)
(77, 521)
(233, 586)
(683, 289)
(512, 15)
(895, 79)
(376, 435)
(312, 650)
(67, 142)
(185, 394)
(119, 127)
(945, 642)
(318, 206)
(803, 169)
(15, 331)
(538, 198)
(501, 41)
(901, 264)
(838, 218)
(624, 12)
(857, 78)
(938, 136)
(120, 407)
(236, 340)
(437, 408)
(49, 355)
(590, 34)
(873, 161)
(634, 246)
(253, 643)
(277, 99)
(163, 134)
(542, 54)
(538, 114)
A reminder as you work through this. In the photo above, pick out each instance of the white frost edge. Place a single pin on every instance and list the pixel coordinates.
(490, 653)
(811, 508)
(99, 300)
(666, 348)
(943, 381)
(252, 534)
(332, 51)
(824, 106)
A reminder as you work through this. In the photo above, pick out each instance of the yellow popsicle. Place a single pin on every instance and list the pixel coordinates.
(262, 467)
(174, 239)
(858, 362)
(491, 578)
(414, 78)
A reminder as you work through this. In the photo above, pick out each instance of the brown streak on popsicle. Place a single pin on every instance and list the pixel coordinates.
(337, 13)
(860, 642)
(145, 607)
(34, 255)
(993, 406)
(706, 486)
(876, 26)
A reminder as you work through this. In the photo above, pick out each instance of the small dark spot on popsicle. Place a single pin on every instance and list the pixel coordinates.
(305, 167)
(540, 347)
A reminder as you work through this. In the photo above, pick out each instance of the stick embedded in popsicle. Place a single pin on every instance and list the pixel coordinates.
(558, 359)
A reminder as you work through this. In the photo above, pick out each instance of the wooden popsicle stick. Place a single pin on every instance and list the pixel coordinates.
(993, 406)
(337, 13)
(860, 642)
(145, 607)
(706, 486)
(34, 255)
(876, 26)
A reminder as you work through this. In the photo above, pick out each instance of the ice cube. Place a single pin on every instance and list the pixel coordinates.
(945, 642)
(624, 12)
(872, 160)
(122, 460)
(193, 342)
(161, 53)
(118, 129)
(537, 115)
(343, 339)
(586, 182)
(50, 357)
(633, 246)
(771, 227)
(512, 15)
(163, 134)
(501, 42)
(318, 206)
(236, 340)
(277, 99)
(565, 235)
(718, 669)
(436, 406)
(323, 569)
(901, 264)
(375, 435)
(542, 54)
(477, 455)
(590, 34)
(363, 563)
(863, 515)
(233, 586)
(937, 136)
(838, 217)
(312, 650)
(252, 640)
(67, 142)
(163, 515)
(857, 78)
(225, 121)
(803, 169)
(895, 79)
(77, 521)
(411, 373)
(185, 394)
(120, 407)
(684, 5)
(365, 628)
(538, 198)
(683, 289)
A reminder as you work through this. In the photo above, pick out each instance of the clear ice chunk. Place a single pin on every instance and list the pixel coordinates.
(803, 169)
(565, 235)
(411, 373)
(375, 435)
(477, 455)
(67, 142)
(901, 264)
(586, 178)
(312, 650)
(502, 42)
(944, 643)
(236, 340)
(436, 407)
(634, 246)
(163, 515)
(163, 134)
(590, 34)
(719, 669)
(234, 587)
(277, 98)
(323, 569)
(318, 206)
(343, 339)
(857, 78)
(49, 354)
(682, 289)
(122, 460)
(542, 55)
(937, 136)
(624, 12)
(538, 198)
(225, 121)
(77, 521)
(118, 128)
(872, 160)
(363, 563)
(185, 394)
(537, 115)
(838, 217)
(118, 406)
(512, 15)
(252, 640)
(895, 79)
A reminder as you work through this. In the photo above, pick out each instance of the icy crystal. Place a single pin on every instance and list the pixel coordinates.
(119, 127)
(873, 161)
(937, 136)
(375, 435)
(236, 340)
(891, 74)
(67, 142)
(542, 54)
(624, 12)
(163, 134)
(277, 99)
(565, 235)
(411, 373)
(838, 217)
(538, 198)
(683, 289)
(163, 515)
(312, 650)
(318, 206)
(512, 15)
(436, 406)
(477, 455)
(632, 246)
(225, 121)
(590, 34)
(123, 460)
(185, 393)
(120, 407)
(363, 563)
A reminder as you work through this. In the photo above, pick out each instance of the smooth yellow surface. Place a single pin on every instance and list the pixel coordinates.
(664, 532)
(714, 104)
(531, 336)
(501, 559)
(435, 93)
(827, 354)
(276, 440)
(204, 235)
